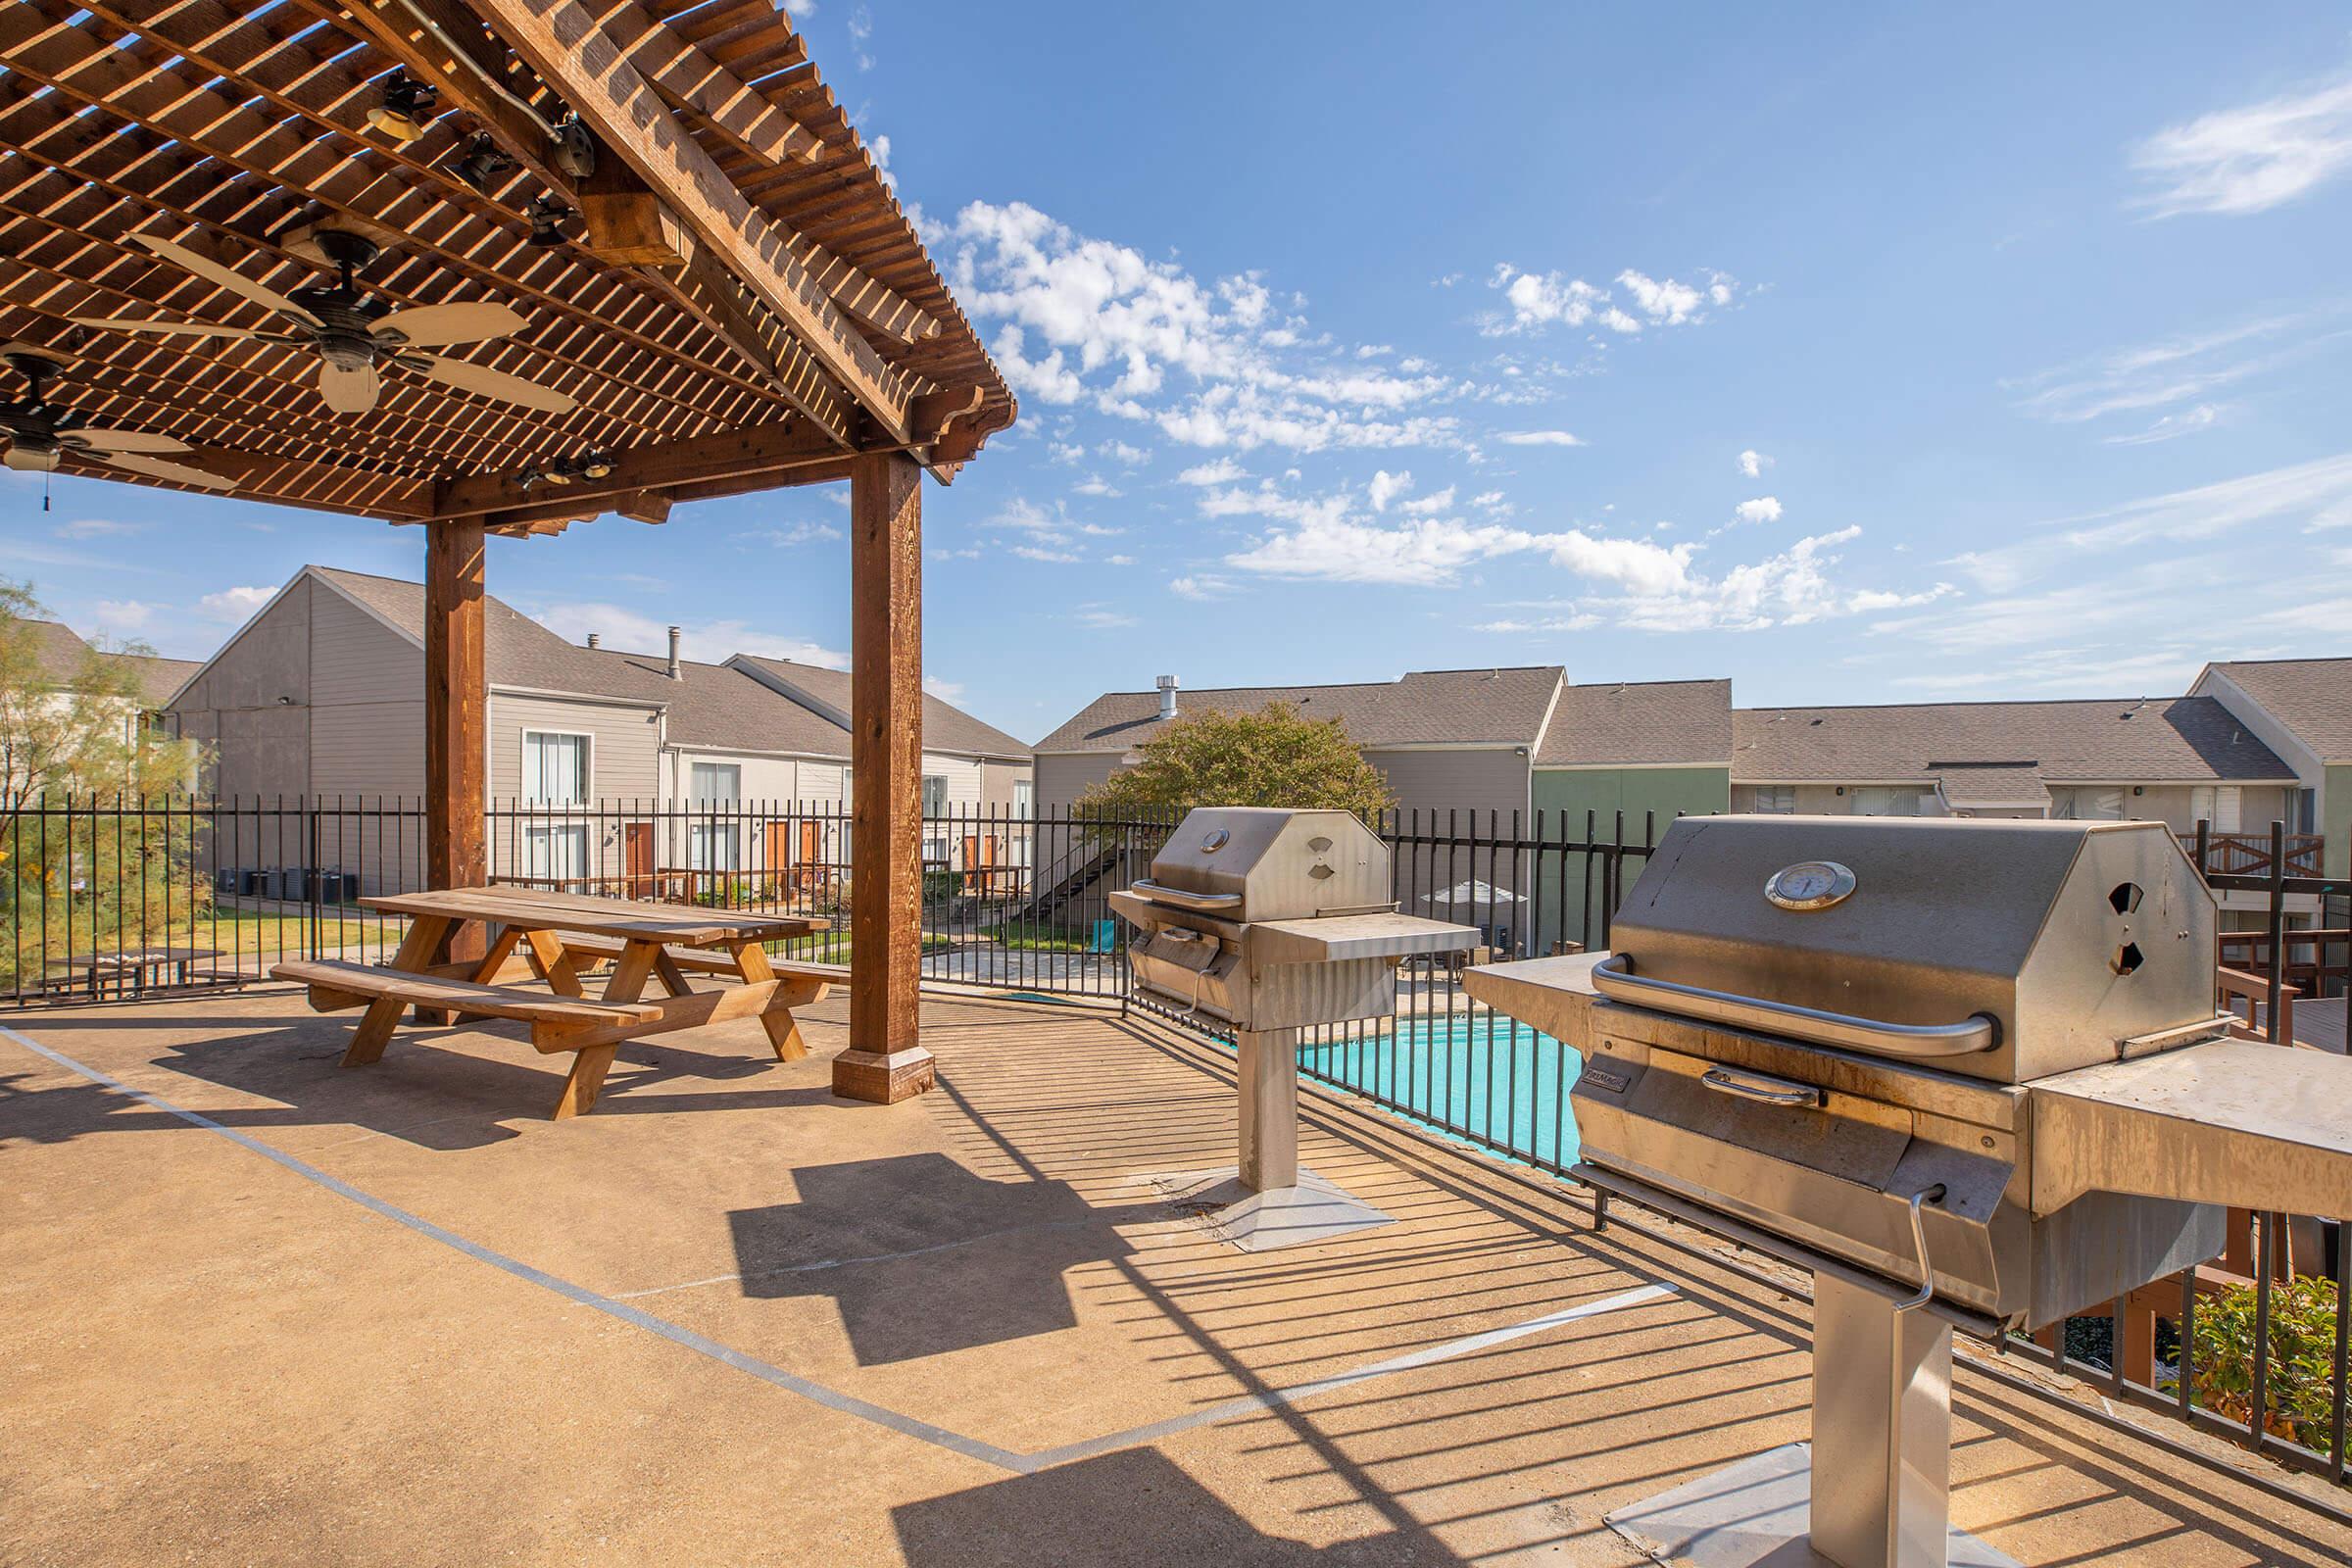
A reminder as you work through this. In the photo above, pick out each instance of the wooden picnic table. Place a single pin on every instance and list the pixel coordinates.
(136, 968)
(554, 937)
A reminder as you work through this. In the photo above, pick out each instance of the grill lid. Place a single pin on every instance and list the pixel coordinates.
(1264, 864)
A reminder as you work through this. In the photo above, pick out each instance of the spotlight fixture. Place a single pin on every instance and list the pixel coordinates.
(548, 215)
(407, 108)
(482, 163)
(593, 464)
(574, 149)
(530, 478)
(596, 464)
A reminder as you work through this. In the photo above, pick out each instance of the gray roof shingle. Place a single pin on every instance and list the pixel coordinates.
(1502, 706)
(518, 651)
(59, 652)
(1686, 721)
(720, 708)
(2311, 697)
(2162, 739)
(945, 727)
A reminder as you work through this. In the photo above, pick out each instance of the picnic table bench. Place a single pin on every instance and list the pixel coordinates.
(552, 937)
(134, 969)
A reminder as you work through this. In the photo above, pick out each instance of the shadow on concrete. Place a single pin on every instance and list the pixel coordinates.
(420, 1092)
(1132, 1510)
(923, 1256)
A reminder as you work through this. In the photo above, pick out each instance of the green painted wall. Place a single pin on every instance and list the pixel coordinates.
(2336, 810)
(1606, 791)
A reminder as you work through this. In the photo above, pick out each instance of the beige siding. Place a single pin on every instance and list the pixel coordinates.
(996, 785)
(261, 744)
(356, 657)
(2172, 803)
(622, 751)
(1462, 780)
(963, 776)
(369, 749)
(1062, 779)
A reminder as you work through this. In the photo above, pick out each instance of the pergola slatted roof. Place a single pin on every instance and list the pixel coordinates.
(742, 304)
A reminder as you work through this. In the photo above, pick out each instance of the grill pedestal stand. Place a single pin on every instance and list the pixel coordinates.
(1873, 1489)
(1266, 1201)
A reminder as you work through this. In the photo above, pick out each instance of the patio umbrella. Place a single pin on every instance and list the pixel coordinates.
(1472, 894)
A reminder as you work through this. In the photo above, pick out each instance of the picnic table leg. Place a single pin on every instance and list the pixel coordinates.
(590, 1064)
(783, 1029)
(554, 964)
(416, 951)
(674, 978)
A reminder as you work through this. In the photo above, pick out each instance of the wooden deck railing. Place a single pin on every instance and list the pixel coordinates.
(2249, 854)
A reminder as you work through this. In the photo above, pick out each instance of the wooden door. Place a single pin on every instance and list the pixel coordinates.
(637, 858)
(774, 878)
(812, 857)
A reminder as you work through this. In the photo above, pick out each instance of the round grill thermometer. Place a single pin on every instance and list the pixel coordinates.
(1809, 884)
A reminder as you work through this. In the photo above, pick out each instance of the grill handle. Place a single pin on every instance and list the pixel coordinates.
(1204, 903)
(1755, 1086)
(1919, 1244)
(1614, 977)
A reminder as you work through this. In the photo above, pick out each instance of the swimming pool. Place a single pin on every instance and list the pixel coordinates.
(1489, 1079)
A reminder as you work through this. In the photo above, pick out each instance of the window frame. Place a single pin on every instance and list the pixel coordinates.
(523, 772)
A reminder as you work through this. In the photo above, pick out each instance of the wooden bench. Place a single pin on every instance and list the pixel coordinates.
(684, 961)
(591, 1030)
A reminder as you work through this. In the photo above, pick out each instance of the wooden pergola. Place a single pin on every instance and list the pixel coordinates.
(717, 293)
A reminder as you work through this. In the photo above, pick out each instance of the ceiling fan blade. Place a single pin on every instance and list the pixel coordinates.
(157, 467)
(24, 461)
(123, 441)
(213, 273)
(429, 326)
(485, 382)
(349, 391)
(177, 329)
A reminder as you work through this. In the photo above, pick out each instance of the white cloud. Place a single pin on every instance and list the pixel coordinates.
(785, 535)
(1539, 438)
(1763, 509)
(1753, 463)
(1437, 501)
(1094, 484)
(235, 604)
(1119, 451)
(2176, 370)
(709, 641)
(1387, 487)
(1065, 451)
(1539, 300)
(2249, 158)
(947, 691)
(1201, 585)
(1099, 618)
(1118, 560)
(2188, 421)
(98, 528)
(1035, 552)
(125, 615)
(1223, 471)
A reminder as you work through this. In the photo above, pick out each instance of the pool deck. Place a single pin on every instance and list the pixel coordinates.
(259, 1310)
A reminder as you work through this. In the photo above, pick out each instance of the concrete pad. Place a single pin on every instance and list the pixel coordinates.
(727, 1317)
(1317, 1209)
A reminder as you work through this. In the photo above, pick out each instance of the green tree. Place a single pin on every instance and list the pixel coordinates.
(83, 868)
(1269, 758)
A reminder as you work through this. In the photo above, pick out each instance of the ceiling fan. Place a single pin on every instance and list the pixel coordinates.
(355, 333)
(39, 432)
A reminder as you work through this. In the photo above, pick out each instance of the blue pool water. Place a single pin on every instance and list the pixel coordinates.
(1489, 1079)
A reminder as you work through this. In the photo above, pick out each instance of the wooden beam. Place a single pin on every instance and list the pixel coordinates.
(456, 716)
(885, 1061)
(762, 449)
(693, 81)
(562, 42)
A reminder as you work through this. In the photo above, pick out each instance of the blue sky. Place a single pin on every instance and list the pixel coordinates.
(1858, 354)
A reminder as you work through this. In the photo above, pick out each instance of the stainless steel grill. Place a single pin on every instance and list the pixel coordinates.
(1968, 1072)
(1272, 921)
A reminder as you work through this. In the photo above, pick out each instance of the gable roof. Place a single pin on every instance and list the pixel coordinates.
(2311, 697)
(2163, 739)
(1505, 707)
(1662, 721)
(945, 727)
(517, 651)
(720, 707)
(59, 652)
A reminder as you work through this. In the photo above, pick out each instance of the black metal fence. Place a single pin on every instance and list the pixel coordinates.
(107, 898)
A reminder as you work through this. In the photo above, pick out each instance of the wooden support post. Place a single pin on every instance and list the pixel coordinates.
(456, 719)
(884, 1062)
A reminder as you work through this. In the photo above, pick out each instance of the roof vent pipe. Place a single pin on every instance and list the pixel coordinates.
(1168, 697)
(595, 641)
(676, 673)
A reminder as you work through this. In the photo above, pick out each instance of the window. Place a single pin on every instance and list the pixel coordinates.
(1777, 798)
(935, 795)
(1024, 802)
(713, 847)
(2087, 805)
(717, 781)
(555, 852)
(2216, 805)
(555, 767)
(1885, 799)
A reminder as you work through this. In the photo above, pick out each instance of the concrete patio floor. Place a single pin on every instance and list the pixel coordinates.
(395, 1315)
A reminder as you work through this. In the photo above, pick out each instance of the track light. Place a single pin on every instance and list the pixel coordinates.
(593, 464)
(407, 108)
(482, 163)
(548, 215)
(596, 464)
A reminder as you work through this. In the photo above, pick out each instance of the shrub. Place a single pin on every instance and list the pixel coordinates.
(2302, 1367)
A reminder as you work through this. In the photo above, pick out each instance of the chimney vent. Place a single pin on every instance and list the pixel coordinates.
(1168, 697)
(595, 641)
(675, 672)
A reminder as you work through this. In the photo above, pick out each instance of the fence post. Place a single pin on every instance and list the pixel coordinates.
(2277, 930)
